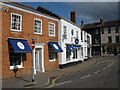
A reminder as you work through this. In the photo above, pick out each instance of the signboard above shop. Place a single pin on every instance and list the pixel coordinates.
(76, 41)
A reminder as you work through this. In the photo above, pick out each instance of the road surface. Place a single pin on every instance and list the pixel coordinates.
(102, 75)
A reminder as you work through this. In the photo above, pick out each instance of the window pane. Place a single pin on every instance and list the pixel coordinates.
(109, 30)
(16, 21)
(37, 26)
(15, 58)
(52, 53)
(51, 29)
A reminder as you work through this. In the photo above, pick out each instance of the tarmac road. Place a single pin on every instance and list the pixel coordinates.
(103, 75)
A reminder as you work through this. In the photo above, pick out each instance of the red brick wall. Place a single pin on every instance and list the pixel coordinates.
(0, 43)
(27, 33)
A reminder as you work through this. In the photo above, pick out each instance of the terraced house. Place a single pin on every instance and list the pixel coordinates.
(22, 25)
(75, 43)
(39, 40)
(105, 36)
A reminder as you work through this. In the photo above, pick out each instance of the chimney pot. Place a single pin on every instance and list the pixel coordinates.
(82, 22)
(73, 16)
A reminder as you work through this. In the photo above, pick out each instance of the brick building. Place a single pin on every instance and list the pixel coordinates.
(21, 25)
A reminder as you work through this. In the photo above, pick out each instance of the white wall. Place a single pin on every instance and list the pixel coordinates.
(70, 39)
(84, 45)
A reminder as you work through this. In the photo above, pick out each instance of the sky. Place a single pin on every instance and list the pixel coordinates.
(87, 11)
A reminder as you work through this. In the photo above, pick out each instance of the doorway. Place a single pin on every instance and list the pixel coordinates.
(39, 60)
(115, 51)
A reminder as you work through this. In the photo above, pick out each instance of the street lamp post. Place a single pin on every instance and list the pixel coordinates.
(33, 64)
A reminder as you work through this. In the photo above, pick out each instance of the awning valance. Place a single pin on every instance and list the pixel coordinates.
(20, 46)
(55, 46)
(71, 48)
(76, 46)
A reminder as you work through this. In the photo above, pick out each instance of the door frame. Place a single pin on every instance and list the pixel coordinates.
(39, 46)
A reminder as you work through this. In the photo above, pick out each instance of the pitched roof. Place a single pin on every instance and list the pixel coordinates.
(43, 10)
(39, 10)
(98, 24)
(23, 6)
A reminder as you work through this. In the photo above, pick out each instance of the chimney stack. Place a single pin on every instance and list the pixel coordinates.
(82, 23)
(73, 16)
(101, 20)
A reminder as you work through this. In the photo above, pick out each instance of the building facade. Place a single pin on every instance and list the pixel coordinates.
(110, 40)
(70, 42)
(73, 41)
(69, 33)
(105, 36)
(39, 40)
(22, 25)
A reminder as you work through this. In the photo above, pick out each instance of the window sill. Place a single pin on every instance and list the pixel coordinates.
(52, 35)
(52, 60)
(38, 33)
(12, 30)
(15, 67)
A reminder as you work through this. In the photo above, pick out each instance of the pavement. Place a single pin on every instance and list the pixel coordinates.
(46, 79)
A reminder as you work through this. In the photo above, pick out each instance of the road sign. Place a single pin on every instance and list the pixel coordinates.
(33, 44)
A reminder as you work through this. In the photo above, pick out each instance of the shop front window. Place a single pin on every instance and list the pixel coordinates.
(68, 54)
(75, 54)
(82, 51)
(52, 53)
(15, 59)
(109, 51)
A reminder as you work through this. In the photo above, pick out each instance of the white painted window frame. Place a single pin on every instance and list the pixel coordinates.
(20, 22)
(65, 31)
(49, 28)
(17, 66)
(34, 26)
(52, 60)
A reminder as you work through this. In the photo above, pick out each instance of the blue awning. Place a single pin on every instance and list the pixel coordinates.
(20, 46)
(55, 46)
(76, 46)
(71, 48)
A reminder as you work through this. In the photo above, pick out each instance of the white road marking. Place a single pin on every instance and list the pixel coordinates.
(112, 63)
(97, 71)
(104, 68)
(85, 76)
(63, 82)
(108, 65)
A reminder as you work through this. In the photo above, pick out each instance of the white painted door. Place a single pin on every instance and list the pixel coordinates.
(37, 65)
(38, 60)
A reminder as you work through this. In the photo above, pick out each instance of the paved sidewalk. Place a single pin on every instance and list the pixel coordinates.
(44, 79)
